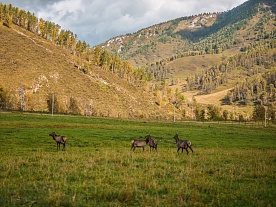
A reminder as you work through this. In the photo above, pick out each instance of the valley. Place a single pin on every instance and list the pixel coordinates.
(223, 60)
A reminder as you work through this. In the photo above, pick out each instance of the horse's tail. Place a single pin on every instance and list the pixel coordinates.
(189, 143)
(63, 138)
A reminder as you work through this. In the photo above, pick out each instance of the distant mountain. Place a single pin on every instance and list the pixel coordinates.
(210, 53)
(207, 33)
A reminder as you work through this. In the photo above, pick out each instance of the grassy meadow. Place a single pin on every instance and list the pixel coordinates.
(232, 165)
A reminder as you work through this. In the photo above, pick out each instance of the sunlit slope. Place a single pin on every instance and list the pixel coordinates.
(31, 64)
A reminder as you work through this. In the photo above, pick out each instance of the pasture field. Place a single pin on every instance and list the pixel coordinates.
(232, 165)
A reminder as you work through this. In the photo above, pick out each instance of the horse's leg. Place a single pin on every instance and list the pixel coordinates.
(187, 150)
(191, 149)
(143, 149)
(132, 147)
(57, 146)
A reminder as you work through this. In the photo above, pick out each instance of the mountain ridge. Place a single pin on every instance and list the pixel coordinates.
(170, 29)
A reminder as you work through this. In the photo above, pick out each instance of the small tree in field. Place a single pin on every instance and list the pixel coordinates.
(259, 113)
(213, 112)
(203, 115)
(3, 97)
(74, 106)
(241, 118)
(225, 114)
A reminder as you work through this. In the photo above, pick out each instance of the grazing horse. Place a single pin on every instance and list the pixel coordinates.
(183, 144)
(59, 139)
(152, 142)
(139, 143)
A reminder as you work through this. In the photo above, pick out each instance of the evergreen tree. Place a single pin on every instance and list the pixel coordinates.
(259, 113)
(225, 114)
(8, 21)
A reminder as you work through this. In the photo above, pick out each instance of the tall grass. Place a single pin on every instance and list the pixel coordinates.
(231, 166)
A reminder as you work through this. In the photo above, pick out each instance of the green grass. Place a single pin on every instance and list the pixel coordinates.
(233, 165)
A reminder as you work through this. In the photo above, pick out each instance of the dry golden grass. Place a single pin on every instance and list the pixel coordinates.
(191, 65)
(30, 61)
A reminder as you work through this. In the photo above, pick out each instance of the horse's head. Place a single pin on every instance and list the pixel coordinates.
(52, 134)
(148, 137)
(176, 137)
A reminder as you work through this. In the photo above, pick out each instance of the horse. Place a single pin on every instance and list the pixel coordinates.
(183, 144)
(152, 142)
(139, 143)
(59, 139)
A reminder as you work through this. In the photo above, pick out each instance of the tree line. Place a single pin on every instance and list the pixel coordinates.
(256, 65)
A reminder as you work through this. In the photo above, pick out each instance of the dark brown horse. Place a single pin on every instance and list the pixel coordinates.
(59, 140)
(152, 142)
(183, 144)
(139, 143)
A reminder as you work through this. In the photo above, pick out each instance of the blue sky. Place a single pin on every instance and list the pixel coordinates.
(96, 21)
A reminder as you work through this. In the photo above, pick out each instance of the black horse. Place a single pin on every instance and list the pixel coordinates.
(152, 142)
(183, 144)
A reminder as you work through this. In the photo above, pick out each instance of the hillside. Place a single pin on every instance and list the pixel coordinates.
(168, 46)
(157, 42)
(212, 53)
(37, 67)
(209, 33)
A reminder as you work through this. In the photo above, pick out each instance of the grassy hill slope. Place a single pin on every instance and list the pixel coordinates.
(30, 62)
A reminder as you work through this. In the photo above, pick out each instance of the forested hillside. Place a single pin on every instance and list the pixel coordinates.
(232, 50)
(208, 33)
(67, 40)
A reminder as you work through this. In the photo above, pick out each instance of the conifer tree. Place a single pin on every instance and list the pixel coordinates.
(8, 21)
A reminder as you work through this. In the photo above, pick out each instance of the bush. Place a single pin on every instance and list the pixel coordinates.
(3, 97)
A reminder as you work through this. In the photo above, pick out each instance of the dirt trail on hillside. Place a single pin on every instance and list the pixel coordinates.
(32, 39)
(214, 98)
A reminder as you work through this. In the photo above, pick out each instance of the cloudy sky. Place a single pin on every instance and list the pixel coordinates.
(96, 21)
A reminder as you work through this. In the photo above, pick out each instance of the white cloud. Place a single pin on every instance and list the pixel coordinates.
(95, 21)
(68, 6)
